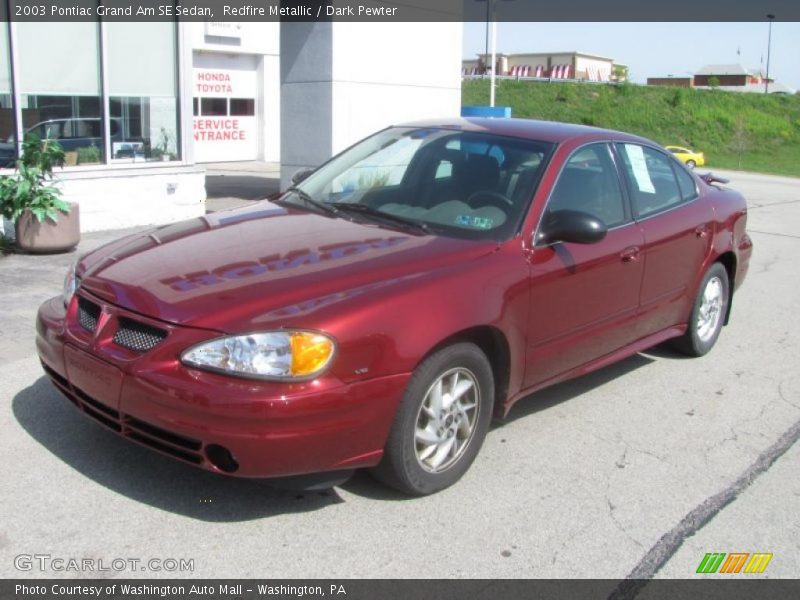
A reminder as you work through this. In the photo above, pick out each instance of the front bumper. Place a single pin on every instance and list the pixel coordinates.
(224, 424)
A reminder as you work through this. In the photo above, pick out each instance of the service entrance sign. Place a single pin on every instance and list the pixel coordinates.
(225, 123)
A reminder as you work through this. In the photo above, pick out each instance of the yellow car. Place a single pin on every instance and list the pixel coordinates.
(688, 157)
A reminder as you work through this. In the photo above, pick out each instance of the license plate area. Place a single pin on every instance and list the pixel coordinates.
(96, 379)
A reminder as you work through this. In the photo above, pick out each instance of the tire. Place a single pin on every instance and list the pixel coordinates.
(708, 313)
(691, 164)
(419, 458)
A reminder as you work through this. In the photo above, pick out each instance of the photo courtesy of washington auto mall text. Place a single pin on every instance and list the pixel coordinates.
(207, 591)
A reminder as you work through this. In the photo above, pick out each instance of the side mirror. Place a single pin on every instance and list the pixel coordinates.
(300, 175)
(571, 226)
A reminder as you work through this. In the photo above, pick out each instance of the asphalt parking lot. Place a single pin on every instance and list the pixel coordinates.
(640, 468)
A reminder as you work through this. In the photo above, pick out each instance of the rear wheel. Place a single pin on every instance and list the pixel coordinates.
(441, 422)
(708, 313)
(691, 164)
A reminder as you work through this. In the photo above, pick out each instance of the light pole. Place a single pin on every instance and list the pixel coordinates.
(490, 16)
(769, 46)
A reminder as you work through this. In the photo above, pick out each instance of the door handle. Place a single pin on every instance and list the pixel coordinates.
(630, 254)
(701, 231)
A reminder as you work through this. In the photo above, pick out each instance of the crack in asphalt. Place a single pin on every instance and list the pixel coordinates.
(755, 205)
(787, 235)
(666, 547)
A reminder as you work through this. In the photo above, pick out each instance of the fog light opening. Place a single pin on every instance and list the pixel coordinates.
(221, 458)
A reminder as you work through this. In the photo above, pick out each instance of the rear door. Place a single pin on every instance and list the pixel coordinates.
(678, 228)
(584, 297)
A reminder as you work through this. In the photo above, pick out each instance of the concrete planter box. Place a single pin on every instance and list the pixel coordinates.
(49, 237)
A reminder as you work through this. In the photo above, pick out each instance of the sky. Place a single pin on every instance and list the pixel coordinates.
(654, 49)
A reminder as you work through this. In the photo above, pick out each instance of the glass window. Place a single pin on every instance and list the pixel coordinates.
(8, 134)
(243, 107)
(589, 183)
(385, 167)
(457, 184)
(651, 179)
(142, 82)
(686, 182)
(214, 107)
(59, 78)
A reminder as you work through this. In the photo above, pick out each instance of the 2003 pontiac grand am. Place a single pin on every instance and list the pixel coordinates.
(381, 310)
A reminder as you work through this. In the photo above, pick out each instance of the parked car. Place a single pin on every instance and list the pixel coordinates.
(378, 312)
(72, 134)
(688, 157)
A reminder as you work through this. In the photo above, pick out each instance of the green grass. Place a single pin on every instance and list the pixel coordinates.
(746, 131)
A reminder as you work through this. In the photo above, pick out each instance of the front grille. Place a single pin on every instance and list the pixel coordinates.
(137, 336)
(168, 442)
(88, 314)
(167, 436)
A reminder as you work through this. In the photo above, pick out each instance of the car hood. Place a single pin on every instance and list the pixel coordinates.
(233, 270)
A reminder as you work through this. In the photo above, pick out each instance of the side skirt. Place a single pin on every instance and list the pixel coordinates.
(637, 346)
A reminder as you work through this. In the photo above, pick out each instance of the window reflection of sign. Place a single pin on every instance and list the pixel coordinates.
(276, 263)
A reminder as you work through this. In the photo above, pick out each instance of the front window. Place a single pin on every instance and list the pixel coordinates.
(452, 183)
(589, 183)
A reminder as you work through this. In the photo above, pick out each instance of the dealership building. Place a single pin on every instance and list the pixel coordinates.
(139, 107)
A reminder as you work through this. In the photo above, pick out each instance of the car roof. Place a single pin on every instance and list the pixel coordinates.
(546, 131)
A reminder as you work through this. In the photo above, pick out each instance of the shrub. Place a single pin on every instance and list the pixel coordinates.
(31, 186)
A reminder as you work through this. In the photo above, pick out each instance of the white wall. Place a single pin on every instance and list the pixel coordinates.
(248, 38)
(120, 198)
(343, 81)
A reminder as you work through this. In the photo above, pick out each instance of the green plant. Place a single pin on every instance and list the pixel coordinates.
(619, 73)
(677, 97)
(31, 186)
(89, 154)
(164, 141)
(704, 120)
(713, 82)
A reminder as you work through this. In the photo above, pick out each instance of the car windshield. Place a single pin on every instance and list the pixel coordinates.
(452, 183)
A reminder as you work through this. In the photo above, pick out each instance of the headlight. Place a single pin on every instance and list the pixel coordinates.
(270, 355)
(71, 282)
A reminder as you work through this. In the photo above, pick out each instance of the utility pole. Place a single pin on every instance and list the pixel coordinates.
(769, 46)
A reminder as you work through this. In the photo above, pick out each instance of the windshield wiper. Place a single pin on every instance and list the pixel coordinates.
(305, 197)
(365, 209)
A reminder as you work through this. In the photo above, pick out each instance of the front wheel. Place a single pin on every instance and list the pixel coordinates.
(691, 164)
(441, 421)
(708, 313)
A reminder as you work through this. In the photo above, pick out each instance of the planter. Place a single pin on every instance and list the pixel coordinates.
(49, 237)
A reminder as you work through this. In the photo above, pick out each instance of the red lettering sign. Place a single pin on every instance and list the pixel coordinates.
(218, 130)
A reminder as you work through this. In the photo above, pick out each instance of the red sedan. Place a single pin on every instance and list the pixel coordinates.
(382, 309)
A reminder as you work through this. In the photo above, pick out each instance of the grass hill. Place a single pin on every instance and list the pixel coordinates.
(747, 131)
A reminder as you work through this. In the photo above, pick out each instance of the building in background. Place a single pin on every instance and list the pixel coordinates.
(551, 65)
(729, 78)
(670, 81)
(139, 107)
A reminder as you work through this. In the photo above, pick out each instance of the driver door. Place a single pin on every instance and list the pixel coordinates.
(584, 297)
